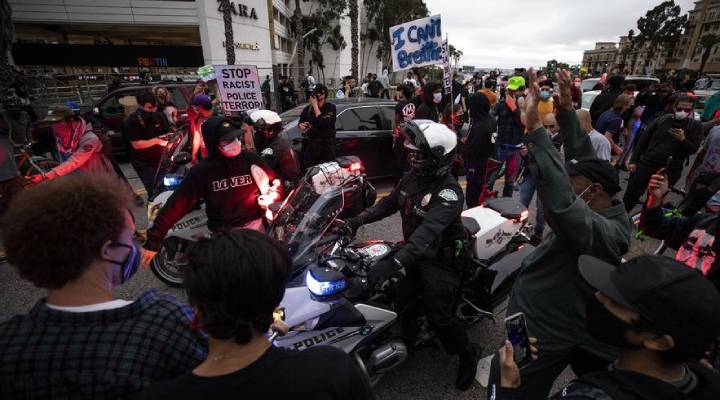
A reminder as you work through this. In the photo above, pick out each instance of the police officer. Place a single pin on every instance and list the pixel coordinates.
(317, 124)
(236, 185)
(430, 201)
(276, 150)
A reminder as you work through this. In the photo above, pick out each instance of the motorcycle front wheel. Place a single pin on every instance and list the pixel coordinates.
(169, 263)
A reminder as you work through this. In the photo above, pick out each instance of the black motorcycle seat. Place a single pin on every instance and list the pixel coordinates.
(470, 225)
(507, 207)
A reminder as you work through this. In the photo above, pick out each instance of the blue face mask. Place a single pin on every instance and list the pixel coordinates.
(545, 94)
(129, 266)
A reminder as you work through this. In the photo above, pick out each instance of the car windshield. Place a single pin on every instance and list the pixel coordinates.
(589, 84)
(715, 85)
(291, 115)
(640, 84)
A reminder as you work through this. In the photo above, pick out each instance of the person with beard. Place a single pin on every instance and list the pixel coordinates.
(585, 219)
(80, 340)
(675, 135)
(432, 96)
(79, 147)
(237, 187)
(145, 129)
(663, 318)
(478, 146)
(605, 100)
(277, 151)
(430, 202)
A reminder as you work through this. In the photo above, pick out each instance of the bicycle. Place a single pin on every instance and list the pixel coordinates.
(29, 164)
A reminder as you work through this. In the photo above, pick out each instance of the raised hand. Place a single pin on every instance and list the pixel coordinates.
(565, 97)
(530, 111)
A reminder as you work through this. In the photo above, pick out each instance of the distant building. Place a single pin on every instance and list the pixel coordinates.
(600, 59)
(703, 19)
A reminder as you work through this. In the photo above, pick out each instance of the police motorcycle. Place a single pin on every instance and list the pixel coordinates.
(328, 300)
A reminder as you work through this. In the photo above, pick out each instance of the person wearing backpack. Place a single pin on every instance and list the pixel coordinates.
(675, 135)
(79, 147)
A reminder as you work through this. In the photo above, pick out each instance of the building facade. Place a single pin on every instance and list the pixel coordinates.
(600, 59)
(702, 20)
(165, 37)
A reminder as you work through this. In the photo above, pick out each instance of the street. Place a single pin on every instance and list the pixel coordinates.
(430, 374)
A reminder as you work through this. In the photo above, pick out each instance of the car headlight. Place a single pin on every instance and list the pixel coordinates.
(325, 283)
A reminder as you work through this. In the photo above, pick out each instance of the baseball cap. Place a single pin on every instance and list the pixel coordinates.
(202, 100)
(597, 171)
(675, 299)
(321, 89)
(58, 113)
(516, 82)
(222, 128)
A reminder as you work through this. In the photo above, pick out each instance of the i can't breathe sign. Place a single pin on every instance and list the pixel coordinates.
(417, 43)
(239, 87)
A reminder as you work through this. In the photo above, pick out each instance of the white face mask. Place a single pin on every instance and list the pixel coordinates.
(681, 115)
(232, 149)
(437, 98)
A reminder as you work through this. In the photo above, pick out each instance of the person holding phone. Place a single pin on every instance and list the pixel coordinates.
(317, 124)
(585, 219)
(675, 135)
(662, 316)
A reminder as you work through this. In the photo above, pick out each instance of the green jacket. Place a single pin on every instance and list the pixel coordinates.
(549, 289)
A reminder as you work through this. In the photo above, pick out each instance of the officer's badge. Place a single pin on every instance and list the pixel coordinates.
(448, 195)
(426, 200)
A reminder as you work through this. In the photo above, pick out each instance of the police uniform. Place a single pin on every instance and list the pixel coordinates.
(281, 157)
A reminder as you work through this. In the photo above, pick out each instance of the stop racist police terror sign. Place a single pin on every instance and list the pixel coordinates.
(239, 87)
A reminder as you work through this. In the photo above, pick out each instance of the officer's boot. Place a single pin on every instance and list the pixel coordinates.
(455, 341)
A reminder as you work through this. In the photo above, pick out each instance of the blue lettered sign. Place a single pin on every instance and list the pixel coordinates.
(417, 43)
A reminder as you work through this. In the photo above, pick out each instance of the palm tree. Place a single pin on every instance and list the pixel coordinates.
(226, 8)
(299, 36)
(455, 54)
(7, 33)
(354, 49)
(707, 42)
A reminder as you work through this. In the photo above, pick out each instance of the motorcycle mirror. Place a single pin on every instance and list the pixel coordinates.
(181, 158)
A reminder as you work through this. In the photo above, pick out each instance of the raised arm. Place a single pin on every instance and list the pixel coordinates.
(575, 141)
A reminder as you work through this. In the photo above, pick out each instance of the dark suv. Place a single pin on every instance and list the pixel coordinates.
(364, 128)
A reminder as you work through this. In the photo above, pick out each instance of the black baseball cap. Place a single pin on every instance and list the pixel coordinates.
(674, 298)
(320, 89)
(222, 128)
(597, 171)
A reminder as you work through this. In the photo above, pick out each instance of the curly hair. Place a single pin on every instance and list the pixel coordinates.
(236, 280)
(53, 232)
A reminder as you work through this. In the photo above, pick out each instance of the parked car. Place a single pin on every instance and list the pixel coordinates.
(704, 88)
(108, 113)
(364, 128)
(588, 84)
(641, 83)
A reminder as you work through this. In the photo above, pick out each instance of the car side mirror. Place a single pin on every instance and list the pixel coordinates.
(181, 158)
(96, 110)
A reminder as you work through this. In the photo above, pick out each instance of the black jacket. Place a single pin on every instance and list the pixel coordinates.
(627, 385)
(281, 157)
(322, 127)
(482, 125)
(655, 144)
(603, 102)
(510, 129)
(430, 211)
(427, 108)
(228, 186)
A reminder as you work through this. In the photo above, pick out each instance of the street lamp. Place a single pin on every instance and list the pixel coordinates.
(294, 52)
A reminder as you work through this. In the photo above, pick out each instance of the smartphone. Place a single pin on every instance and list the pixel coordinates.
(517, 334)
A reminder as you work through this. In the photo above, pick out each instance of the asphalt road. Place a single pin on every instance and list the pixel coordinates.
(430, 374)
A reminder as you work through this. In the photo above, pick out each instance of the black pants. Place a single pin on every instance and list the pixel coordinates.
(316, 152)
(537, 385)
(639, 181)
(439, 288)
(146, 174)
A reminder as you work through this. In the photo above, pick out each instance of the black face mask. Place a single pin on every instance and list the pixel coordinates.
(606, 327)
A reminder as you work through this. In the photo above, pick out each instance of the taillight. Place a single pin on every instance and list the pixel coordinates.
(524, 216)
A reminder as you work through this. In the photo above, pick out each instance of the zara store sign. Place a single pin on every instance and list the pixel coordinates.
(238, 9)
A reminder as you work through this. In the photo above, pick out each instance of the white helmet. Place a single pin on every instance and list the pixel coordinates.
(268, 123)
(431, 146)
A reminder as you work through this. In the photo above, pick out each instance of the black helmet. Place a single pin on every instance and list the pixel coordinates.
(430, 145)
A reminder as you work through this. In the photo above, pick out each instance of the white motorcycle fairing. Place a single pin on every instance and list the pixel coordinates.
(192, 226)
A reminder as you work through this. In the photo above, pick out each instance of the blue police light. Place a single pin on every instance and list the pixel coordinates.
(170, 181)
(325, 283)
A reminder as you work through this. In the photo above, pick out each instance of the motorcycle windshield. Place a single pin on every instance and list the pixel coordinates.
(304, 218)
(177, 142)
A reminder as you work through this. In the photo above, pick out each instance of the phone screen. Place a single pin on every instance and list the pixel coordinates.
(517, 334)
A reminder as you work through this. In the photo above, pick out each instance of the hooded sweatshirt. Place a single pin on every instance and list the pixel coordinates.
(228, 186)
(482, 125)
(428, 109)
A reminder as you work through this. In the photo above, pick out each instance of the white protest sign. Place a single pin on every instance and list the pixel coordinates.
(416, 43)
(239, 87)
(447, 79)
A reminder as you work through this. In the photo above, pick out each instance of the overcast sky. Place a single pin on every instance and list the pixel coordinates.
(514, 33)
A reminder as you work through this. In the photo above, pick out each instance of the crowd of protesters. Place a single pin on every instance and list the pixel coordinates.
(643, 328)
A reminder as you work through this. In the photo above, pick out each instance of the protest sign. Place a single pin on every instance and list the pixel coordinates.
(206, 72)
(447, 79)
(416, 43)
(239, 87)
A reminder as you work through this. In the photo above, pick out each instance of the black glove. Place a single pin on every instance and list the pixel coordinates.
(386, 270)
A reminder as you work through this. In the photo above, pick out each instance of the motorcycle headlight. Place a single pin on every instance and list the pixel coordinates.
(170, 181)
(325, 283)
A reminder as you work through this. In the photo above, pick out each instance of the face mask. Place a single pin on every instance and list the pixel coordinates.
(545, 94)
(231, 150)
(606, 327)
(681, 115)
(437, 98)
(129, 267)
